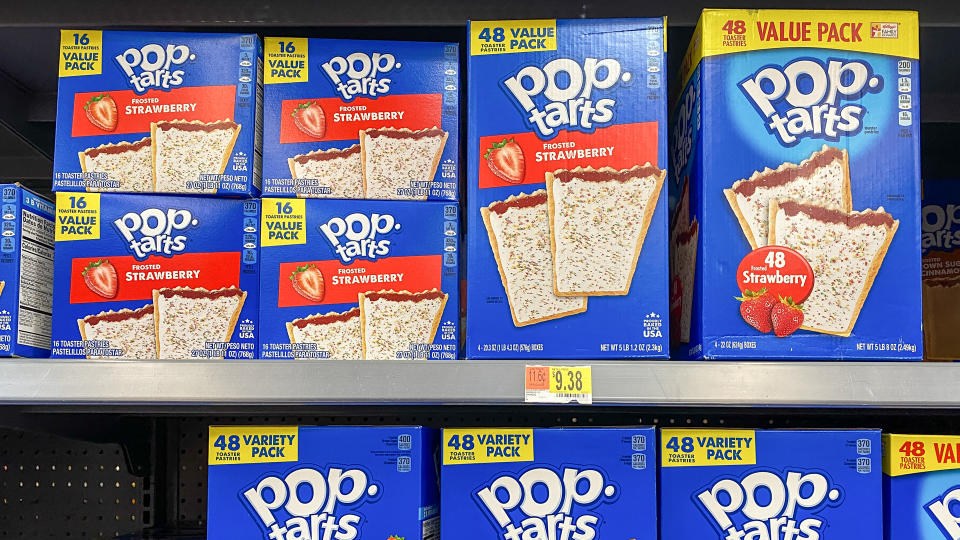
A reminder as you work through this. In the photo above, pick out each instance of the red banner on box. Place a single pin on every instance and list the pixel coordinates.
(136, 280)
(621, 146)
(342, 121)
(342, 284)
(135, 111)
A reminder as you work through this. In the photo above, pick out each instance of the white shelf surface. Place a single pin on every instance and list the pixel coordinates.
(627, 382)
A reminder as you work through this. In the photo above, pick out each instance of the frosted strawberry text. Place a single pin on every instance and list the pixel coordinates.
(821, 100)
(153, 231)
(154, 66)
(356, 235)
(938, 227)
(279, 506)
(558, 512)
(361, 74)
(773, 515)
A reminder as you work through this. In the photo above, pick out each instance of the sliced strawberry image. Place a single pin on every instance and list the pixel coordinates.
(102, 112)
(505, 159)
(308, 282)
(309, 118)
(101, 278)
(755, 308)
(786, 317)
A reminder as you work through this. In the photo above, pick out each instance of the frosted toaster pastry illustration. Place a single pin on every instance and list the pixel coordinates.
(823, 178)
(187, 319)
(128, 166)
(845, 250)
(686, 268)
(599, 211)
(337, 173)
(129, 332)
(400, 163)
(394, 324)
(334, 335)
(183, 151)
(519, 232)
(941, 318)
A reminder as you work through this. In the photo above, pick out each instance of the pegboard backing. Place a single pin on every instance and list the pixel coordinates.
(55, 487)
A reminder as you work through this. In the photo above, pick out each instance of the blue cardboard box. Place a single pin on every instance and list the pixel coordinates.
(158, 112)
(342, 483)
(351, 119)
(512, 483)
(921, 486)
(795, 187)
(566, 207)
(940, 239)
(156, 276)
(771, 484)
(353, 280)
(26, 283)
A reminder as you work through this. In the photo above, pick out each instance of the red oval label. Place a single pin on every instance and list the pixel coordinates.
(780, 270)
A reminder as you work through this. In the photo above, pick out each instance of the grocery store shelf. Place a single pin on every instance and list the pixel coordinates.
(785, 384)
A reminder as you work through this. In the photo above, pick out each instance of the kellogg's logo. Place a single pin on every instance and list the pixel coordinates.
(807, 98)
(154, 66)
(279, 505)
(359, 235)
(564, 90)
(155, 232)
(776, 513)
(938, 227)
(565, 506)
(361, 74)
(940, 512)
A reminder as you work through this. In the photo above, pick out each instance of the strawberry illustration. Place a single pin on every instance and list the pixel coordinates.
(755, 308)
(101, 278)
(786, 317)
(505, 159)
(394, 537)
(102, 112)
(309, 118)
(308, 282)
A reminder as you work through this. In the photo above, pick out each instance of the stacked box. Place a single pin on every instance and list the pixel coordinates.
(158, 112)
(567, 218)
(921, 486)
(772, 484)
(322, 483)
(156, 276)
(352, 280)
(549, 483)
(26, 283)
(795, 187)
(941, 269)
(349, 119)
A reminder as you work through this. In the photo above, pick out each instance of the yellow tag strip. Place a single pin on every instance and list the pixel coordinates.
(707, 447)
(81, 52)
(285, 60)
(77, 216)
(283, 222)
(505, 37)
(558, 384)
(914, 454)
(232, 445)
(465, 446)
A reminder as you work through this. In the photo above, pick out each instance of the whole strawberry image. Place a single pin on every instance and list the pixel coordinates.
(505, 159)
(102, 112)
(786, 317)
(755, 309)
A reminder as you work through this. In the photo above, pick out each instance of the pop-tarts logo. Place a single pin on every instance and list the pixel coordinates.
(560, 94)
(155, 232)
(361, 74)
(940, 512)
(286, 510)
(938, 227)
(360, 235)
(683, 133)
(765, 505)
(810, 98)
(564, 507)
(154, 66)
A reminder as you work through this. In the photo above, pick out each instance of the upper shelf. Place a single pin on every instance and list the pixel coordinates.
(782, 384)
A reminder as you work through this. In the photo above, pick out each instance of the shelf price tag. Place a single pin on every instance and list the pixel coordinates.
(558, 384)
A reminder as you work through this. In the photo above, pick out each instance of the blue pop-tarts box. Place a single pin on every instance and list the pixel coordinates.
(356, 119)
(158, 112)
(155, 276)
(940, 238)
(336, 482)
(795, 187)
(773, 484)
(558, 483)
(26, 283)
(356, 280)
(566, 204)
(921, 486)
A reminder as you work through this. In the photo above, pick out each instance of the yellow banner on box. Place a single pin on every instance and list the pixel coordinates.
(81, 52)
(285, 60)
(466, 446)
(505, 37)
(283, 222)
(707, 447)
(914, 454)
(232, 445)
(77, 216)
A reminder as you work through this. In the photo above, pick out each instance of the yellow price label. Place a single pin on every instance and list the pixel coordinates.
(283, 222)
(77, 216)
(81, 52)
(707, 447)
(558, 384)
(503, 37)
(287, 60)
(232, 445)
(465, 446)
